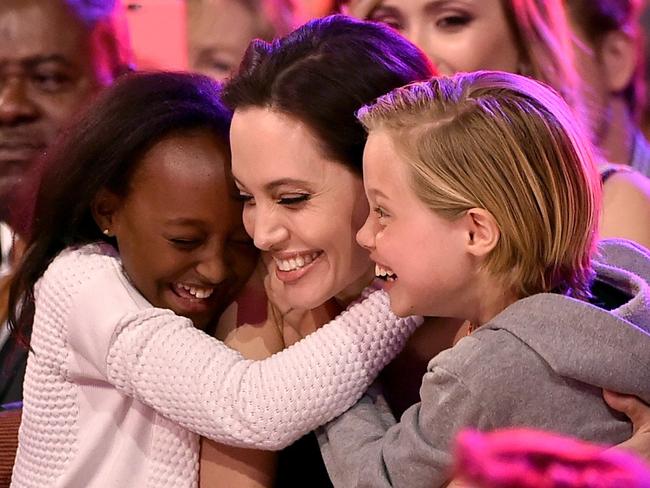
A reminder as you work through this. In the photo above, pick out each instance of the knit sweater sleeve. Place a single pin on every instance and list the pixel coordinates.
(162, 360)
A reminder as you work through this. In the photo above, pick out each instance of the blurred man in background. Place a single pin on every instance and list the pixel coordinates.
(55, 55)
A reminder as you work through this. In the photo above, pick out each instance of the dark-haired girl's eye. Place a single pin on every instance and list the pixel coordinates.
(184, 243)
(241, 240)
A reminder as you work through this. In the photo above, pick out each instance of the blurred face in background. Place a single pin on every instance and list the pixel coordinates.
(219, 32)
(47, 72)
(456, 35)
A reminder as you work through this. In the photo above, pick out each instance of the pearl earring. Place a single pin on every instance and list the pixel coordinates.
(106, 232)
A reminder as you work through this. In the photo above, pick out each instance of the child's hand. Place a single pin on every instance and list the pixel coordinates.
(639, 414)
(293, 324)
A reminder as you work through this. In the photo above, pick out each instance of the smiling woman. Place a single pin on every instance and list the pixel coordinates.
(297, 150)
(301, 207)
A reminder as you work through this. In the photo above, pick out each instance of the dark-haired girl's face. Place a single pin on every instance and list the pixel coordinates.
(179, 229)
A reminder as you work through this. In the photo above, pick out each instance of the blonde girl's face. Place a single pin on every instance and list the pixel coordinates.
(419, 254)
(457, 35)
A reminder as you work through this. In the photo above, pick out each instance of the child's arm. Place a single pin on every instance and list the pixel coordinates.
(367, 447)
(220, 464)
(195, 380)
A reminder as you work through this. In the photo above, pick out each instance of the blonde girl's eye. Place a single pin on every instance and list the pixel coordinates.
(380, 212)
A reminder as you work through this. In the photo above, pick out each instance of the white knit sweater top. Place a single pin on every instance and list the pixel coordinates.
(116, 390)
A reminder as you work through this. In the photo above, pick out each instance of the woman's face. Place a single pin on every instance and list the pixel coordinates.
(457, 35)
(302, 208)
(179, 228)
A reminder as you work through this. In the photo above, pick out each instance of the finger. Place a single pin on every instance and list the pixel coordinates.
(635, 409)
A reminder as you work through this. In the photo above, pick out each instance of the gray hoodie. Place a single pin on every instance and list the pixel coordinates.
(541, 363)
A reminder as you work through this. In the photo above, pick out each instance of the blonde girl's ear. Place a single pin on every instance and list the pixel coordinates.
(104, 207)
(483, 232)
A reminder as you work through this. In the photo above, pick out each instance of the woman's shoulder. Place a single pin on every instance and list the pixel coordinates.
(100, 252)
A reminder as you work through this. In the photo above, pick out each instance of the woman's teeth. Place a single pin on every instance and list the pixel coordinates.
(384, 273)
(295, 263)
(196, 291)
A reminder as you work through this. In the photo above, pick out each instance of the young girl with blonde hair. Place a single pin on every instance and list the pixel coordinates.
(485, 202)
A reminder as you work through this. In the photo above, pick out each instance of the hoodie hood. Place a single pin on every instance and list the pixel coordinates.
(606, 348)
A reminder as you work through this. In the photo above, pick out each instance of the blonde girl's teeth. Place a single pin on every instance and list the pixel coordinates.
(300, 261)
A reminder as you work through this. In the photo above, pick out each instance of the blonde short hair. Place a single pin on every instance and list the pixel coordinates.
(507, 144)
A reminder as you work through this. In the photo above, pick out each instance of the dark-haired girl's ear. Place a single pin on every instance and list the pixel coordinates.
(103, 208)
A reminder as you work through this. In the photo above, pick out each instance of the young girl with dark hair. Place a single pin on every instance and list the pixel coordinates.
(137, 243)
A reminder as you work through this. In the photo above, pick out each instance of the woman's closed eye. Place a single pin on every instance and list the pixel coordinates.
(293, 199)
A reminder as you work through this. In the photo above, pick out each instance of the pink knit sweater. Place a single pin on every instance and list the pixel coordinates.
(115, 389)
